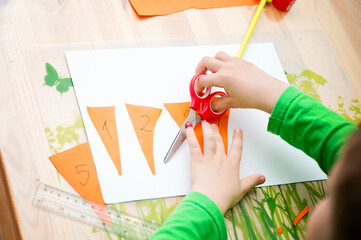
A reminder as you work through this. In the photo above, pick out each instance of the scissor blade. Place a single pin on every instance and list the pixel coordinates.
(179, 139)
(181, 135)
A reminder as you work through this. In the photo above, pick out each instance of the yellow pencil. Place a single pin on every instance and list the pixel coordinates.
(251, 27)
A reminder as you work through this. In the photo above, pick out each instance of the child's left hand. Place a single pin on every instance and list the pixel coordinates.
(215, 174)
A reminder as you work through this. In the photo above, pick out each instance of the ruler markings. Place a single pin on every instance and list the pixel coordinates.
(76, 208)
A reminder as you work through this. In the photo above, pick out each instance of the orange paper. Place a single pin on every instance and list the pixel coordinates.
(280, 230)
(144, 120)
(300, 216)
(103, 119)
(77, 167)
(180, 111)
(102, 212)
(164, 7)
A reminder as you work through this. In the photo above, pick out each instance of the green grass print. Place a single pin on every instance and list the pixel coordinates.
(262, 212)
(309, 82)
(64, 135)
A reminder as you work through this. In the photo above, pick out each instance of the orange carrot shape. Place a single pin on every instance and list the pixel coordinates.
(180, 111)
(103, 119)
(76, 165)
(144, 120)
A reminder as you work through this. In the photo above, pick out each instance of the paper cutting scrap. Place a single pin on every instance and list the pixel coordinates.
(280, 230)
(104, 121)
(164, 7)
(180, 111)
(300, 216)
(76, 165)
(144, 120)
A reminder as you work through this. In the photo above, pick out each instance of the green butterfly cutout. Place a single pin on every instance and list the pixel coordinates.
(52, 78)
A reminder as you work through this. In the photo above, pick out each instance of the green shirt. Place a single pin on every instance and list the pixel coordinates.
(301, 121)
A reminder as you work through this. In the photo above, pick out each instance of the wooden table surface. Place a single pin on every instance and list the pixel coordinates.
(319, 44)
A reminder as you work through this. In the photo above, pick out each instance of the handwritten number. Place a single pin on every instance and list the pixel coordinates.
(105, 126)
(79, 170)
(145, 125)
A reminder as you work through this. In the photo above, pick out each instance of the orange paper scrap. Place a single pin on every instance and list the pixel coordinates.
(77, 167)
(300, 216)
(280, 230)
(144, 120)
(180, 111)
(102, 212)
(103, 119)
(164, 7)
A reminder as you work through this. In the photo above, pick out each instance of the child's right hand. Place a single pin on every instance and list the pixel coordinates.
(246, 85)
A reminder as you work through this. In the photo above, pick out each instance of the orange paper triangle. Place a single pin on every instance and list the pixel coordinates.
(144, 120)
(163, 7)
(103, 119)
(180, 111)
(77, 167)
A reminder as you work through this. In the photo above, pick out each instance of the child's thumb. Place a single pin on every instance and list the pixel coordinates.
(221, 104)
(250, 182)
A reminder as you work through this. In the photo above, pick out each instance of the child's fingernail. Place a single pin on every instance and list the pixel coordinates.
(189, 124)
(214, 126)
(261, 179)
(238, 130)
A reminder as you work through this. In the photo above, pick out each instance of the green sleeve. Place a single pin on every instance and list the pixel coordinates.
(309, 126)
(196, 217)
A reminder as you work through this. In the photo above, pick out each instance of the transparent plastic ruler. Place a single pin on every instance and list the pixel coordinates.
(77, 208)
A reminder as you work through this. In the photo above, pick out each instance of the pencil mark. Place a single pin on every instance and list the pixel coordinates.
(145, 125)
(106, 127)
(79, 170)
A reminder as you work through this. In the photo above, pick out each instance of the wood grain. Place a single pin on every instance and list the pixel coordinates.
(9, 228)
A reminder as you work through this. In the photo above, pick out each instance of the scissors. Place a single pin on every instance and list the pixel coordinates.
(199, 102)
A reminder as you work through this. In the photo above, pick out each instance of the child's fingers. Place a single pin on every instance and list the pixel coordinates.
(250, 182)
(235, 152)
(194, 148)
(209, 63)
(218, 139)
(222, 56)
(209, 143)
(222, 103)
(211, 80)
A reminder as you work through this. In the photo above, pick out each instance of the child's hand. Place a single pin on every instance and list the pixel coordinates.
(215, 174)
(246, 85)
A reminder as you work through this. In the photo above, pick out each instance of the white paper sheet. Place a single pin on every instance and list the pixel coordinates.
(151, 77)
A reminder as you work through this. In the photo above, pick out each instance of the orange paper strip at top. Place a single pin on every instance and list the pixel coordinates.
(164, 7)
(144, 120)
(300, 216)
(77, 167)
(180, 111)
(103, 119)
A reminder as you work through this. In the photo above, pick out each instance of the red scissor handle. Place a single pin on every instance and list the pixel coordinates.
(203, 102)
(196, 100)
(207, 111)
